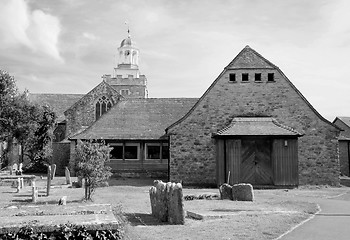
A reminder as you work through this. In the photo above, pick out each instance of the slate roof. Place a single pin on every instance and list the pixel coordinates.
(256, 126)
(58, 102)
(138, 119)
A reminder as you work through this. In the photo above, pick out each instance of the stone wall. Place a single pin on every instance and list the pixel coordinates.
(344, 157)
(82, 113)
(192, 148)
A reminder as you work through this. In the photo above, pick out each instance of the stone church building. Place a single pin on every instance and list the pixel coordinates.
(251, 125)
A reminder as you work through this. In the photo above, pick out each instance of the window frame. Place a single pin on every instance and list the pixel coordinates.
(123, 154)
(161, 145)
(259, 78)
(273, 77)
(245, 75)
(230, 76)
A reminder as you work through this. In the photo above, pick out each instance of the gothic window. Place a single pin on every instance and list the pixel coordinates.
(102, 106)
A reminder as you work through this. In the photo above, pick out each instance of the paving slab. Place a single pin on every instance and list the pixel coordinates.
(47, 218)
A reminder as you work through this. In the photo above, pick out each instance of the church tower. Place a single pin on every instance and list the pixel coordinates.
(127, 79)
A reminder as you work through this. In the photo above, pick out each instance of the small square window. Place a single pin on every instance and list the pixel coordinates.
(245, 77)
(257, 77)
(232, 77)
(270, 77)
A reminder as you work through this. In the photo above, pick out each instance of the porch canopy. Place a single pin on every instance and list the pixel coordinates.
(257, 150)
(256, 126)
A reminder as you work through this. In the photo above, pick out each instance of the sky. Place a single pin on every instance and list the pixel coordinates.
(65, 46)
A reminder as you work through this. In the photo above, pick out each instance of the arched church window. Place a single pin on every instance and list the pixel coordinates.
(102, 106)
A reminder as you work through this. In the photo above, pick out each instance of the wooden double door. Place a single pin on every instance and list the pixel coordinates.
(256, 162)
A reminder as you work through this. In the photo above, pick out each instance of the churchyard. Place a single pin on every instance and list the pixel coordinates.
(272, 212)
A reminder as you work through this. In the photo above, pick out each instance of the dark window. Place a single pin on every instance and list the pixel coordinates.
(104, 108)
(117, 152)
(245, 77)
(131, 152)
(165, 152)
(232, 77)
(98, 110)
(153, 152)
(270, 77)
(258, 77)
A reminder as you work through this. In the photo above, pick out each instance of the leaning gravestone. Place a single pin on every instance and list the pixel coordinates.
(225, 191)
(242, 192)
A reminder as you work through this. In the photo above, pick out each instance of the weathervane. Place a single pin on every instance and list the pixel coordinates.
(127, 24)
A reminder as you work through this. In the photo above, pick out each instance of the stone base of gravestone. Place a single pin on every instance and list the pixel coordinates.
(242, 192)
(225, 191)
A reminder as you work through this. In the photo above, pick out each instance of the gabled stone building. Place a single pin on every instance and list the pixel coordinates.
(252, 89)
(251, 125)
(344, 144)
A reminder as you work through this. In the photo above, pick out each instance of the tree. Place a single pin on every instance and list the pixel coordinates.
(31, 125)
(90, 164)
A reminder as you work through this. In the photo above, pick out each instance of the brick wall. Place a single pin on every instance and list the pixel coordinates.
(82, 113)
(192, 150)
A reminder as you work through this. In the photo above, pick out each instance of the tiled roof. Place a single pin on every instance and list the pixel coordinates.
(58, 102)
(256, 126)
(138, 119)
(345, 134)
(345, 120)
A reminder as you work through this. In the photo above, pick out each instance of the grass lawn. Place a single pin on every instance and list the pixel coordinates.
(272, 213)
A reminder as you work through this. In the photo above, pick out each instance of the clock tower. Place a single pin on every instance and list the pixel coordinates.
(127, 79)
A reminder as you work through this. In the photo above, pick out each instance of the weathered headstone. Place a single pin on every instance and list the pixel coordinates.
(176, 213)
(242, 192)
(48, 186)
(35, 194)
(225, 191)
(53, 171)
(162, 208)
(153, 198)
(62, 201)
(67, 173)
(167, 202)
(14, 168)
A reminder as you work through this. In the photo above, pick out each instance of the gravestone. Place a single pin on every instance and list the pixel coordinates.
(67, 173)
(62, 201)
(242, 192)
(167, 202)
(225, 191)
(176, 213)
(48, 186)
(53, 171)
(35, 194)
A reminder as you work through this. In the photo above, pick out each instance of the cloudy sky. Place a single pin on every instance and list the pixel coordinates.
(65, 46)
